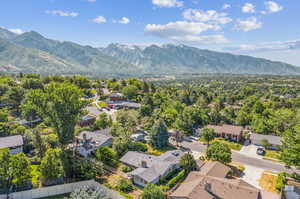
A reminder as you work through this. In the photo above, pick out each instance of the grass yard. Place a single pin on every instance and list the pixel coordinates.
(158, 152)
(273, 154)
(268, 182)
(232, 145)
(35, 175)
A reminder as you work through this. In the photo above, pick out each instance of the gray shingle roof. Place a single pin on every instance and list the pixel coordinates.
(257, 138)
(99, 137)
(11, 141)
(156, 165)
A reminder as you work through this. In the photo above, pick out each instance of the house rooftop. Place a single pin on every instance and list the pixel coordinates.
(227, 129)
(215, 169)
(274, 140)
(11, 141)
(150, 167)
(197, 185)
(98, 137)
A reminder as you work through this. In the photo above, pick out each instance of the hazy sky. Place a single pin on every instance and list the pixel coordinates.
(261, 28)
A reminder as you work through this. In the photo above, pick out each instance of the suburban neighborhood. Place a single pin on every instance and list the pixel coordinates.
(132, 139)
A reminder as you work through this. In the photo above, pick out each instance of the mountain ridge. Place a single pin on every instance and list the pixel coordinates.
(32, 52)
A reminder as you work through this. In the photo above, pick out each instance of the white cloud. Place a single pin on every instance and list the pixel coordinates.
(92, 1)
(248, 24)
(99, 19)
(185, 31)
(62, 13)
(168, 3)
(265, 47)
(248, 8)
(124, 20)
(226, 6)
(16, 31)
(210, 16)
(272, 7)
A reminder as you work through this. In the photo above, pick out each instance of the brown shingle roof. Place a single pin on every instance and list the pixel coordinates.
(198, 186)
(215, 169)
(227, 129)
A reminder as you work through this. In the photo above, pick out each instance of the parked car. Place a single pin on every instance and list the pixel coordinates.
(260, 151)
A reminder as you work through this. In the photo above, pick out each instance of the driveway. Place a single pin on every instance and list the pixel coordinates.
(252, 175)
(250, 151)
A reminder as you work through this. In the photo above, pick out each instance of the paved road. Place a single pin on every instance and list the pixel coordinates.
(237, 157)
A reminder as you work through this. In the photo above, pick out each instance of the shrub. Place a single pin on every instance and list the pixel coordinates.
(180, 176)
(124, 185)
(126, 169)
(138, 146)
(281, 181)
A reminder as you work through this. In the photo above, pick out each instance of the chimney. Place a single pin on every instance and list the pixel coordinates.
(144, 164)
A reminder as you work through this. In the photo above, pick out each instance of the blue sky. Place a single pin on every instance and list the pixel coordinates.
(262, 28)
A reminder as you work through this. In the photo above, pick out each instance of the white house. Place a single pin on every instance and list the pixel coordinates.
(90, 141)
(13, 143)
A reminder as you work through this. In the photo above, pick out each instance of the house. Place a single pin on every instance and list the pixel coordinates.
(211, 183)
(150, 168)
(115, 97)
(13, 143)
(274, 141)
(93, 111)
(291, 192)
(88, 142)
(86, 120)
(226, 131)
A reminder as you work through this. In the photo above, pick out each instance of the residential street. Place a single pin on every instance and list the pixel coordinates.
(237, 157)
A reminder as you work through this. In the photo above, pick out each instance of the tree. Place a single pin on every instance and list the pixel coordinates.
(14, 170)
(291, 148)
(188, 163)
(85, 192)
(61, 105)
(152, 191)
(14, 97)
(103, 122)
(159, 136)
(124, 185)
(107, 156)
(208, 135)
(51, 167)
(130, 91)
(219, 152)
(121, 145)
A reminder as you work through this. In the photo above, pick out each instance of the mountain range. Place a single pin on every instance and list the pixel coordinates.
(31, 52)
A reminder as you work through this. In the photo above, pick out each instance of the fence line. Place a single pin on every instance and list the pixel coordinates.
(62, 189)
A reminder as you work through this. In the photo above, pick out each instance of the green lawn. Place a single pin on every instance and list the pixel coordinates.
(35, 175)
(273, 154)
(232, 145)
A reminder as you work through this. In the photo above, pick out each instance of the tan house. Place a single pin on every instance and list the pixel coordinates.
(210, 183)
(228, 131)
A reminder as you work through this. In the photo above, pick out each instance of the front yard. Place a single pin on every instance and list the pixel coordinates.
(268, 182)
(232, 145)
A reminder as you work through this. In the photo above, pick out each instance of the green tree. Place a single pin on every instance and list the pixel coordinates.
(51, 167)
(152, 191)
(159, 136)
(124, 185)
(219, 152)
(188, 163)
(14, 170)
(291, 148)
(107, 155)
(103, 122)
(208, 135)
(61, 105)
(130, 92)
(14, 97)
